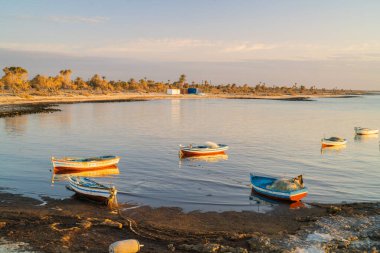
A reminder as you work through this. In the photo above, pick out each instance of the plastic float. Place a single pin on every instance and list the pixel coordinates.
(125, 246)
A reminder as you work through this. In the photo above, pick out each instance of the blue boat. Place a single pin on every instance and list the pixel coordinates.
(261, 185)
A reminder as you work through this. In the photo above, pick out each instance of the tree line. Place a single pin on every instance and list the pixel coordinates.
(15, 80)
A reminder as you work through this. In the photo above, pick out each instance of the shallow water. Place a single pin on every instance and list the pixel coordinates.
(280, 138)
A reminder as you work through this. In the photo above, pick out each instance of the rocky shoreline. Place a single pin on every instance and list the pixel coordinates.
(77, 225)
(21, 109)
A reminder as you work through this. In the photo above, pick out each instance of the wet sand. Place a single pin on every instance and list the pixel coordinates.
(77, 225)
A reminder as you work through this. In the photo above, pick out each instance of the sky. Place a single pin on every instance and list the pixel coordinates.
(327, 43)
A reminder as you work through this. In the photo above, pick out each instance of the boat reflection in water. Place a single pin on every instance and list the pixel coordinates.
(332, 149)
(365, 138)
(264, 201)
(210, 158)
(62, 175)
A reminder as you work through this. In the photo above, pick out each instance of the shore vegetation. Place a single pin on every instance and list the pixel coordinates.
(15, 80)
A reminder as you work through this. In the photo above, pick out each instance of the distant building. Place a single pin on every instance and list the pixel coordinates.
(193, 91)
(173, 91)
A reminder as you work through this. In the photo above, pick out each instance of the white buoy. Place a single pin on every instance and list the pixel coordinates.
(125, 246)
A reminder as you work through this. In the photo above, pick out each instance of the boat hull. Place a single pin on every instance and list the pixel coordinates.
(326, 143)
(185, 153)
(62, 164)
(292, 198)
(203, 151)
(93, 198)
(96, 194)
(259, 186)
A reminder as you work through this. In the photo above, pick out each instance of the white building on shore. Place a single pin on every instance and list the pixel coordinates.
(173, 91)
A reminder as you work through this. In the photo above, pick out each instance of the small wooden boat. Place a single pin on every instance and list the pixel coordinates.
(365, 131)
(72, 163)
(263, 185)
(333, 141)
(90, 189)
(208, 149)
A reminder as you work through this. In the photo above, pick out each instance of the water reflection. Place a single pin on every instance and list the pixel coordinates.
(148, 133)
(61, 175)
(16, 125)
(332, 149)
(264, 201)
(365, 138)
(209, 159)
(175, 111)
(199, 159)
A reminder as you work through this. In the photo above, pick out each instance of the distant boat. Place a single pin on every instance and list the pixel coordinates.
(365, 131)
(90, 189)
(333, 141)
(264, 186)
(209, 148)
(71, 163)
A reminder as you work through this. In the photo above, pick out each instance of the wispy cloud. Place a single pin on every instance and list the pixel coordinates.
(187, 49)
(249, 47)
(154, 46)
(41, 47)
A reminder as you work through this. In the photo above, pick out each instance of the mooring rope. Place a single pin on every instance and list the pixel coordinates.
(113, 204)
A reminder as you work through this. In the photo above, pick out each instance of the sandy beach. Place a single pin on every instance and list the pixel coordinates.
(76, 225)
(18, 105)
(120, 97)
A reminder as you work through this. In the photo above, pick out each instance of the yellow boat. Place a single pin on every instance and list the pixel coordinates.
(77, 164)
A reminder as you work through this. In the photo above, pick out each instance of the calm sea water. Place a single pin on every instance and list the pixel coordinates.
(280, 138)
